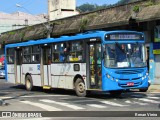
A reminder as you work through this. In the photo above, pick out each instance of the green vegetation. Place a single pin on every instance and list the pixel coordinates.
(83, 24)
(11, 32)
(150, 3)
(92, 7)
(136, 8)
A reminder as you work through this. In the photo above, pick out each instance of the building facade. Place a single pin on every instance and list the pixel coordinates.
(61, 8)
(18, 20)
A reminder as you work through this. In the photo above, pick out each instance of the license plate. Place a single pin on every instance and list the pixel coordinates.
(130, 84)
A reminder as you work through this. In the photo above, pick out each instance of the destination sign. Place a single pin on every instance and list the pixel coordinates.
(124, 36)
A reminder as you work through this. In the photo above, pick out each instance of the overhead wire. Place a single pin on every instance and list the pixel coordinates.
(13, 7)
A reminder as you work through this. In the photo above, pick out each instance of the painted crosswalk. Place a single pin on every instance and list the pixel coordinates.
(148, 100)
(113, 103)
(63, 104)
(73, 103)
(43, 106)
(134, 102)
(97, 106)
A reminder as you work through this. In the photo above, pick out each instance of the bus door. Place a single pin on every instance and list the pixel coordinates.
(46, 64)
(18, 65)
(95, 65)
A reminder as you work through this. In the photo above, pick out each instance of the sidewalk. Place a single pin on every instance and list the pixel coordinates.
(154, 88)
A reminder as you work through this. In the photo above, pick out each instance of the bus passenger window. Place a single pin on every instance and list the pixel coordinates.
(75, 52)
(58, 52)
(35, 54)
(10, 56)
(26, 54)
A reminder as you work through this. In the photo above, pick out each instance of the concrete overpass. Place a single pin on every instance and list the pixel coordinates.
(142, 15)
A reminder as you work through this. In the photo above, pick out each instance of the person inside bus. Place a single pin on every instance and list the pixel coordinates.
(66, 51)
(136, 56)
(121, 53)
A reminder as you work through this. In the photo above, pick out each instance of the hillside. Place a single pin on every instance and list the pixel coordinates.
(91, 7)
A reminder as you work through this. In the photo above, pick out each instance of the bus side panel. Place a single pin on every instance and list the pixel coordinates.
(71, 72)
(11, 73)
(58, 75)
(34, 71)
(63, 74)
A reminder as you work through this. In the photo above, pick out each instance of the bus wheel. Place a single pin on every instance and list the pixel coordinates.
(28, 83)
(80, 88)
(116, 93)
(143, 90)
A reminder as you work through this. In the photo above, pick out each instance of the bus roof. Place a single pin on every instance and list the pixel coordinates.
(89, 34)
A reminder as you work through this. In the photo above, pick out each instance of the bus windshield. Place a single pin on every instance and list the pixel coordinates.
(120, 55)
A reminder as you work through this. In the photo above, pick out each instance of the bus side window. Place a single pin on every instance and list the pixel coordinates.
(26, 54)
(10, 55)
(75, 52)
(58, 52)
(35, 54)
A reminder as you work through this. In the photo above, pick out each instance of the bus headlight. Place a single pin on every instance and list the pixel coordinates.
(108, 76)
(144, 77)
(111, 78)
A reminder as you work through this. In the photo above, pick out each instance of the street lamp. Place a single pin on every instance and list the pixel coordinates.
(48, 25)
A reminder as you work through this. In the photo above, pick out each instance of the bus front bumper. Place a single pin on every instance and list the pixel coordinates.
(110, 85)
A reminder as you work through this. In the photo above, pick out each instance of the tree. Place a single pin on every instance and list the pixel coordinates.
(90, 7)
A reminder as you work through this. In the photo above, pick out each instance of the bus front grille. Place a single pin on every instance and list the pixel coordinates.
(125, 85)
(129, 72)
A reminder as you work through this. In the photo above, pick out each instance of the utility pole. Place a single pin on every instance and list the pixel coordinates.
(48, 27)
(48, 21)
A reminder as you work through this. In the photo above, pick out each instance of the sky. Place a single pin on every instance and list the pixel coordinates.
(40, 6)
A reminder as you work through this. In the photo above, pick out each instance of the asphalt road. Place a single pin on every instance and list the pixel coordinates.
(16, 98)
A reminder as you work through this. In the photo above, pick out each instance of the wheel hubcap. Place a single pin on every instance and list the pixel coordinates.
(81, 87)
(28, 84)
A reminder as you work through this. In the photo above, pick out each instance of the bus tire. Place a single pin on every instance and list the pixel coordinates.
(28, 83)
(143, 90)
(116, 93)
(80, 88)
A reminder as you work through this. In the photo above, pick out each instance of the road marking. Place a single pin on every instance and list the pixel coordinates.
(37, 118)
(147, 100)
(79, 101)
(46, 107)
(139, 96)
(97, 106)
(154, 97)
(63, 104)
(6, 97)
(43, 96)
(153, 92)
(113, 103)
(133, 102)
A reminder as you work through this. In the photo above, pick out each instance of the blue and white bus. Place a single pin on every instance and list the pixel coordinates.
(111, 61)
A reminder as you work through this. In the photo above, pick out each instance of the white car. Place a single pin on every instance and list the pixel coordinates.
(2, 72)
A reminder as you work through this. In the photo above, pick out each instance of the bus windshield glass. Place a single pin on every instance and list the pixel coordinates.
(120, 55)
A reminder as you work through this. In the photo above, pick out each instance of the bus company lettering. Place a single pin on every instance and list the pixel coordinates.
(25, 115)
